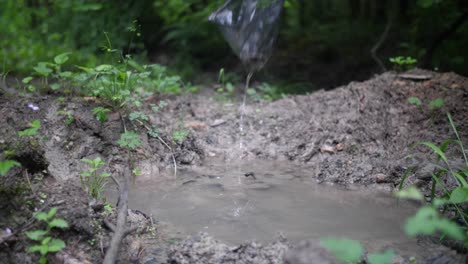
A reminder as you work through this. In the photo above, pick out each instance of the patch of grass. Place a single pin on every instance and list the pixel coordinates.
(93, 180)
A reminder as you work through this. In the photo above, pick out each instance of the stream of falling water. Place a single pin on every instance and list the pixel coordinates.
(241, 121)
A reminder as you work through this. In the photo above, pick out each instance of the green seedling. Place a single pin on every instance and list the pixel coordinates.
(33, 129)
(47, 244)
(6, 165)
(100, 113)
(351, 251)
(129, 140)
(180, 135)
(69, 118)
(138, 116)
(427, 220)
(93, 180)
(402, 63)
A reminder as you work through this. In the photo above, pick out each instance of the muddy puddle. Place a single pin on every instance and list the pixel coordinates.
(273, 199)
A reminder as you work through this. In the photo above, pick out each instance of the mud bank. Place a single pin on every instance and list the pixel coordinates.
(356, 136)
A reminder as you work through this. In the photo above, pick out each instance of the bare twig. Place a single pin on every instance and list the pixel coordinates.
(26, 175)
(120, 229)
(379, 43)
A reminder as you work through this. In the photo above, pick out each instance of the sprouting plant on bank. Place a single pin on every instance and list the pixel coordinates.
(178, 136)
(33, 129)
(402, 63)
(450, 199)
(225, 88)
(69, 118)
(47, 244)
(352, 251)
(93, 180)
(47, 70)
(130, 141)
(100, 113)
(432, 106)
(265, 91)
(6, 165)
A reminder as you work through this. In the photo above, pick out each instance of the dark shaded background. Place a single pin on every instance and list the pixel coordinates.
(322, 43)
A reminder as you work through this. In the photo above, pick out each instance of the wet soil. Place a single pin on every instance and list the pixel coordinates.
(356, 136)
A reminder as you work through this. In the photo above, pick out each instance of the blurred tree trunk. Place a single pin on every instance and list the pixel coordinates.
(443, 36)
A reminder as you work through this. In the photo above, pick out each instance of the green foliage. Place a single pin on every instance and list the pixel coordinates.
(129, 140)
(415, 100)
(225, 88)
(69, 117)
(427, 220)
(436, 104)
(266, 92)
(346, 250)
(92, 180)
(385, 257)
(138, 115)
(47, 244)
(403, 63)
(100, 113)
(351, 251)
(180, 135)
(6, 165)
(33, 130)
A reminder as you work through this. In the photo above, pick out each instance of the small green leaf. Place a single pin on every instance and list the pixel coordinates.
(27, 80)
(410, 193)
(61, 58)
(428, 222)
(36, 235)
(414, 100)
(129, 140)
(6, 165)
(40, 248)
(51, 212)
(459, 195)
(346, 250)
(56, 245)
(46, 241)
(435, 149)
(381, 258)
(104, 68)
(435, 104)
(41, 216)
(58, 222)
(55, 86)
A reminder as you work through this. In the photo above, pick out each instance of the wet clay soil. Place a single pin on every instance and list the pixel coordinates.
(356, 137)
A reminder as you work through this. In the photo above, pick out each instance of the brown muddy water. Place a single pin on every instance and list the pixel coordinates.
(280, 199)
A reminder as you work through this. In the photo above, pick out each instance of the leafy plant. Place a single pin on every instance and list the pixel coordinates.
(33, 129)
(427, 220)
(180, 135)
(138, 115)
(351, 251)
(6, 165)
(68, 116)
(403, 63)
(436, 104)
(47, 244)
(100, 113)
(225, 88)
(265, 91)
(415, 101)
(129, 140)
(93, 180)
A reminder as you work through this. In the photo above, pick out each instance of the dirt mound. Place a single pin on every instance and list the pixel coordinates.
(356, 135)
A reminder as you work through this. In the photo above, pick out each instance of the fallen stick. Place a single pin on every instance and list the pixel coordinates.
(120, 229)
